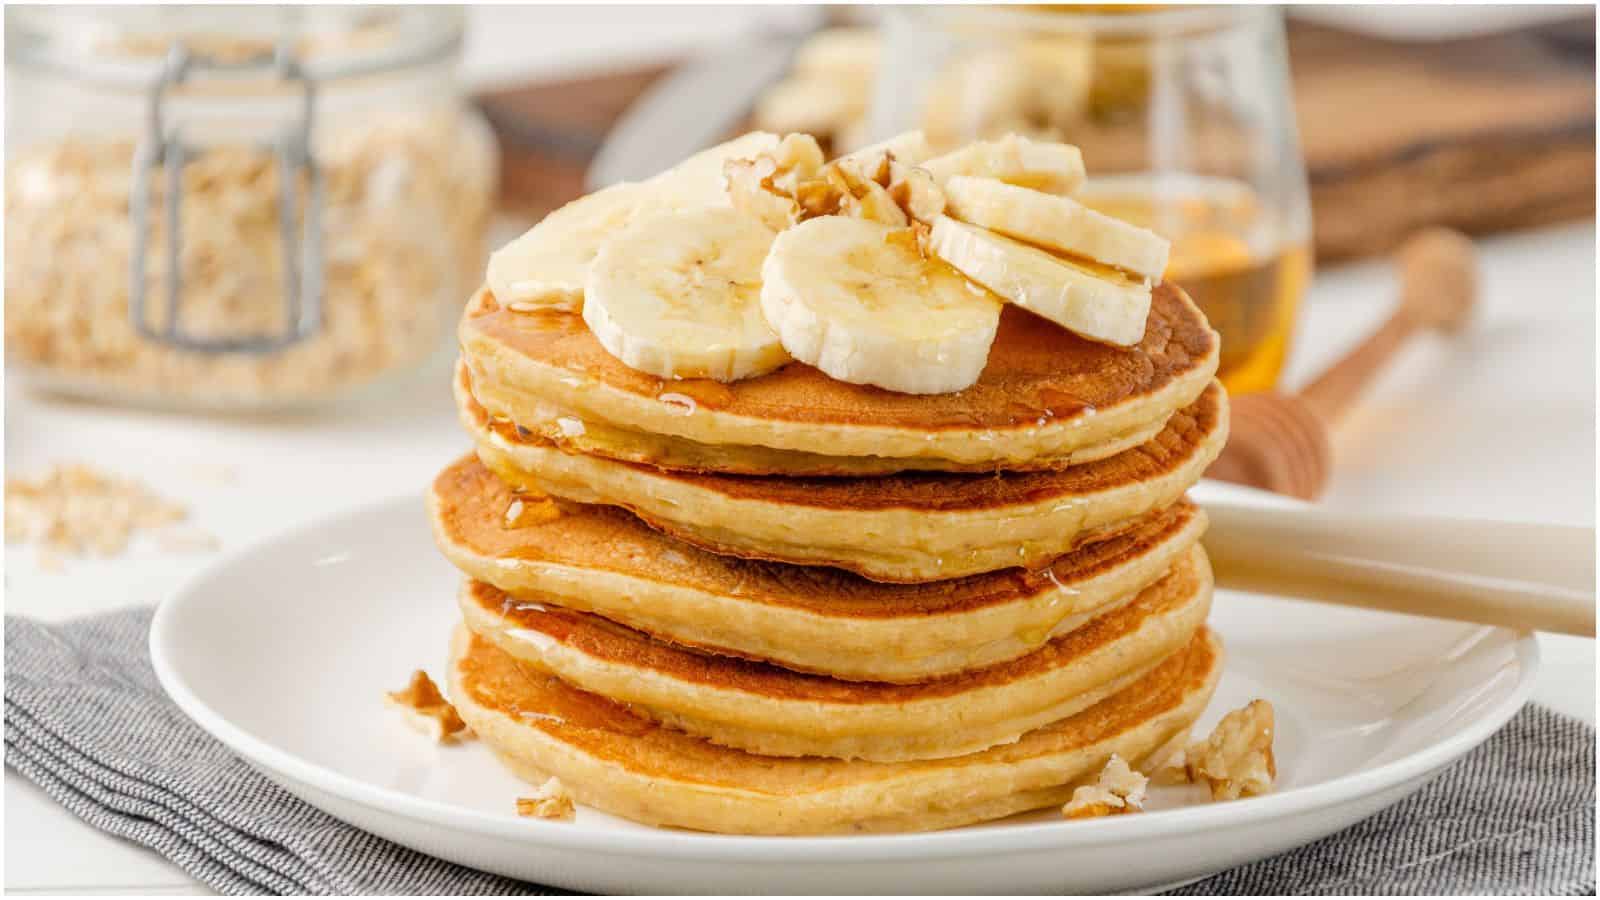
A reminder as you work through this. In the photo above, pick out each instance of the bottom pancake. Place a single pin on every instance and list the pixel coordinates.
(765, 709)
(621, 763)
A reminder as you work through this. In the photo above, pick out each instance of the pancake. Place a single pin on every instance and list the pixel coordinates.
(899, 528)
(604, 560)
(1045, 394)
(622, 763)
(765, 709)
(570, 431)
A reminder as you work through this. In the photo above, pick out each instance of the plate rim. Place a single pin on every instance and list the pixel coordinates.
(689, 846)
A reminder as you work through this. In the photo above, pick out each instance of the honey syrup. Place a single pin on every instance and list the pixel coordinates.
(1246, 271)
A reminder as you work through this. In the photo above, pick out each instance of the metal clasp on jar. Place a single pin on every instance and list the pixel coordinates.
(163, 147)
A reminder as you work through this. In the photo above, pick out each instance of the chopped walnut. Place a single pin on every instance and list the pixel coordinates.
(751, 190)
(427, 710)
(863, 197)
(550, 801)
(1118, 790)
(1166, 766)
(766, 187)
(915, 239)
(791, 184)
(917, 193)
(797, 158)
(76, 510)
(1236, 759)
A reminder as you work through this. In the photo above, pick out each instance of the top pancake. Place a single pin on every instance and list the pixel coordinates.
(1045, 392)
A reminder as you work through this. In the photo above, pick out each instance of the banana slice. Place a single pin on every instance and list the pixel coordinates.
(910, 148)
(548, 264)
(814, 104)
(1042, 165)
(848, 51)
(1098, 303)
(858, 300)
(1055, 223)
(678, 296)
(697, 181)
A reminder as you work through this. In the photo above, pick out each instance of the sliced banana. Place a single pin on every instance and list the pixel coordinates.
(859, 301)
(678, 296)
(547, 265)
(814, 104)
(1098, 303)
(698, 181)
(1055, 223)
(911, 148)
(847, 51)
(1047, 166)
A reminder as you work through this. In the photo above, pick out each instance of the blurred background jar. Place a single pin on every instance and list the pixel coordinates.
(1186, 123)
(236, 208)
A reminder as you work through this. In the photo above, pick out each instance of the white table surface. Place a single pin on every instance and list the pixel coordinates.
(1497, 423)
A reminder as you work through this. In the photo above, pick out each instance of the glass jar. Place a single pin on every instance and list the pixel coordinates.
(236, 207)
(1186, 122)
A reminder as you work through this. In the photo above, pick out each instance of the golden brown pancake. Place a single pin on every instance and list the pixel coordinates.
(898, 528)
(604, 560)
(1044, 394)
(574, 434)
(623, 763)
(765, 709)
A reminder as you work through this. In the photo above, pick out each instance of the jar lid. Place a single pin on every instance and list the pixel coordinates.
(130, 45)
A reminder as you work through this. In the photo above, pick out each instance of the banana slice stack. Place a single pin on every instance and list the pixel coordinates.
(885, 267)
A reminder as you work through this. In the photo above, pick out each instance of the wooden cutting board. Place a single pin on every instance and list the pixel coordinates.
(1484, 134)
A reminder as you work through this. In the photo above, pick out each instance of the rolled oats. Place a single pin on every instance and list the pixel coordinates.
(406, 208)
(76, 510)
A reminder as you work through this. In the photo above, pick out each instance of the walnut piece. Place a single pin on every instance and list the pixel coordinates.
(550, 801)
(76, 510)
(917, 193)
(427, 710)
(1166, 766)
(791, 184)
(1119, 790)
(1236, 759)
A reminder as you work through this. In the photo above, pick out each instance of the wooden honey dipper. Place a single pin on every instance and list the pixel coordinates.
(1279, 442)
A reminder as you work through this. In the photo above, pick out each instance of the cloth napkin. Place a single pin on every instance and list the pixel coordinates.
(87, 721)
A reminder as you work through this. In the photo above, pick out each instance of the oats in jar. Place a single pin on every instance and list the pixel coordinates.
(284, 293)
(403, 226)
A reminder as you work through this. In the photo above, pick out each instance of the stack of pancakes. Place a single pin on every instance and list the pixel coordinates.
(794, 605)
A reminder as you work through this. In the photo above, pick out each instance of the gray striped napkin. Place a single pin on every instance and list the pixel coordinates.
(86, 721)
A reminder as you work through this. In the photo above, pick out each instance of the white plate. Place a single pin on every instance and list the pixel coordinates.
(284, 650)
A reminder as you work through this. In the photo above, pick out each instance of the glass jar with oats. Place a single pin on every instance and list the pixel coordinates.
(236, 208)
